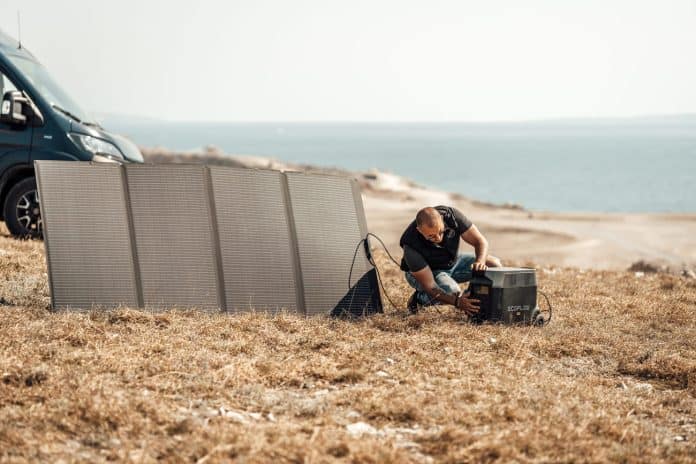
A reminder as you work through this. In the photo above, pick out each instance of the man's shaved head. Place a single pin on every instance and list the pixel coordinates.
(428, 217)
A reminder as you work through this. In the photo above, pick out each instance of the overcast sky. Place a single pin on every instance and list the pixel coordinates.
(354, 60)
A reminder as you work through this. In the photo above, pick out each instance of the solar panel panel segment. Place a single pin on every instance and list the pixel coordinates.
(174, 237)
(256, 244)
(330, 223)
(88, 247)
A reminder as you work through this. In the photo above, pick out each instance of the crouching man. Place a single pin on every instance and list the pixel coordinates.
(432, 262)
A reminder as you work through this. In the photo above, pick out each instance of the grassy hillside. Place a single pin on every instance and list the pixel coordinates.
(613, 378)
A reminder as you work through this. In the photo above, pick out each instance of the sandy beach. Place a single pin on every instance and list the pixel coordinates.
(585, 240)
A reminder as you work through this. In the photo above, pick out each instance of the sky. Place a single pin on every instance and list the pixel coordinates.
(400, 60)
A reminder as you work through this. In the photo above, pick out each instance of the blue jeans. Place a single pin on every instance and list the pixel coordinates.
(447, 279)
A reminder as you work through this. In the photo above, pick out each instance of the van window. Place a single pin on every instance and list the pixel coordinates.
(5, 84)
(46, 86)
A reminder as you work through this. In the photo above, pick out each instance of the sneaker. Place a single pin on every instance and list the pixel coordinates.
(413, 306)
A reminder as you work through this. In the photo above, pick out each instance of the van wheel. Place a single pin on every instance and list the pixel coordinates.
(22, 213)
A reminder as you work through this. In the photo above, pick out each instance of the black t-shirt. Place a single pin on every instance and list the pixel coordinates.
(420, 252)
(414, 260)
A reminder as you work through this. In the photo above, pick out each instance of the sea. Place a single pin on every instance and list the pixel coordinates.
(613, 165)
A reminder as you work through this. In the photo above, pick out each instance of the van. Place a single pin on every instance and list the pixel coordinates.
(39, 121)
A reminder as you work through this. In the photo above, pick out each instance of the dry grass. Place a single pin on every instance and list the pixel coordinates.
(613, 378)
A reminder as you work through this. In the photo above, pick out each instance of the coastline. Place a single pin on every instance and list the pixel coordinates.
(645, 242)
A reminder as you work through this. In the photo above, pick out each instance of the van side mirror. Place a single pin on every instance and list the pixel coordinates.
(12, 111)
(16, 107)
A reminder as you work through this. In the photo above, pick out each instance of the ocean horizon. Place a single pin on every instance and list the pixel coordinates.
(622, 165)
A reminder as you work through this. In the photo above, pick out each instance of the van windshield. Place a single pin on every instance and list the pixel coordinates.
(47, 87)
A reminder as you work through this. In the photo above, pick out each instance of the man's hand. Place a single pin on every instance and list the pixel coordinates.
(469, 305)
(479, 266)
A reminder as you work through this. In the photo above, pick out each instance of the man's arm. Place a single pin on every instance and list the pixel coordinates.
(475, 238)
(427, 281)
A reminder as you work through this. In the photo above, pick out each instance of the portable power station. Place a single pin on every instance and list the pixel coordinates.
(508, 295)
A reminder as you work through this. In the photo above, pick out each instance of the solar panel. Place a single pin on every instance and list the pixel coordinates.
(330, 222)
(175, 244)
(257, 249)
(190, 236)
(88, 248)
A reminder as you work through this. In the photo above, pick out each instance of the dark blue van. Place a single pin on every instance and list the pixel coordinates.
(38, 120)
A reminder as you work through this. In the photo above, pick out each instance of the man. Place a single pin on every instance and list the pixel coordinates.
(432, 262)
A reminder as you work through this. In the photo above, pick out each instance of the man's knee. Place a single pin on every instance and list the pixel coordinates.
(492, 261)
(447, 283)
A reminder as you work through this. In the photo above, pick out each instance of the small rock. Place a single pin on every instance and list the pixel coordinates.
(115, 442)
(353, 415)
(309, 407)
(689, 274)
(643, 387)
(643, 266)
(492, 340)
(381, 374)
(412, 445)
(390, 360)
(233, 415)
(137, 455)
(680, 438)
(361, 428)
(639, 274)
(271, 417)
(401, 430)
(271, 399)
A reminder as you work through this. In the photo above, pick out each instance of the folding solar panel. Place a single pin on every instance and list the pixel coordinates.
(330, 222)
(256, 242)
(173, 235)
(87, 239)
(176, 247)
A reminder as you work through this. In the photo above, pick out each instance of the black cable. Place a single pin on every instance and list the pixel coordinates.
(355, 255)
(370, 234)
(550, 310)
(371, 261)
(381, 285)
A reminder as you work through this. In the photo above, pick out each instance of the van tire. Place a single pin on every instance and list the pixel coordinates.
(21, 209)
